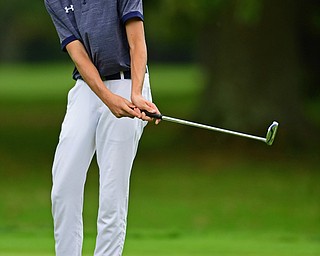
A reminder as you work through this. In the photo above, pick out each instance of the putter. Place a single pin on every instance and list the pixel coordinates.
(271, 133)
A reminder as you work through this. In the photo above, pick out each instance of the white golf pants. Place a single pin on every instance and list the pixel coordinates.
(89, 127)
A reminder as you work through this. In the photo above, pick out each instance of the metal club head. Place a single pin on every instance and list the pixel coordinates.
(271, 134)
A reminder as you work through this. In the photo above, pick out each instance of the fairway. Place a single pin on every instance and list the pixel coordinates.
(205, 245)
(191, 195)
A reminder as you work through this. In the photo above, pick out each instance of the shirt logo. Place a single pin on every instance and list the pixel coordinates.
(68, 9)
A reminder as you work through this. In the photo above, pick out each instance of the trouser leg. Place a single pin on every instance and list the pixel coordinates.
(117, 142)
(115, 160)
(72, 159)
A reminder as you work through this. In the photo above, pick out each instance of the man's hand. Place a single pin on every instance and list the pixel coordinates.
(143, 104)
(121, 107)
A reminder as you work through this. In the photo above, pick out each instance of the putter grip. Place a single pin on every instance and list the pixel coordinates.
(152, 115)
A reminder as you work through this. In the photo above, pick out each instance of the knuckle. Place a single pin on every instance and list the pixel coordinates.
(117, 115)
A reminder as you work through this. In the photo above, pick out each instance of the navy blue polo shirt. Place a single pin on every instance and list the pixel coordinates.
(100, 26)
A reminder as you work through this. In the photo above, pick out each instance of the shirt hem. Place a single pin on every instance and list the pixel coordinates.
(131, 15)
(67, 41)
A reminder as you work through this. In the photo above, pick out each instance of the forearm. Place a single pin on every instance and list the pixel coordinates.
(138, 68)
(88, 71)
(138, 55)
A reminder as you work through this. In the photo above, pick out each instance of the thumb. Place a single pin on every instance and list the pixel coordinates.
(150, 107)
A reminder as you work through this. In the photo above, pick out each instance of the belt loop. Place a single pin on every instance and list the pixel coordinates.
(121, 75)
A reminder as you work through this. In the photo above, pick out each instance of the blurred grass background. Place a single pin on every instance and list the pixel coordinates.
(193, 192)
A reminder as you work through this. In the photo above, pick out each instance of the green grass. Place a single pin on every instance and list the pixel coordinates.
(34, 82)
(178, 208)
(206, 245)
(188, 197)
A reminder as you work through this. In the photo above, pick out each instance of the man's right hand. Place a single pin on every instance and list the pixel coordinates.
(121, 107)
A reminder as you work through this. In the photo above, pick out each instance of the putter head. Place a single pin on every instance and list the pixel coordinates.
(271, 134)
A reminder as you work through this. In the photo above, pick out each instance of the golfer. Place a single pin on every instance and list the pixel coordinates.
(105, 39)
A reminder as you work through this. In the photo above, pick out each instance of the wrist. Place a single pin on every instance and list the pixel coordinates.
(135, 95)
(106, 96)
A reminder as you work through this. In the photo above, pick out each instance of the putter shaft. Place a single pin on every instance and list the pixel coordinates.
(272, 130)
(179, 121)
